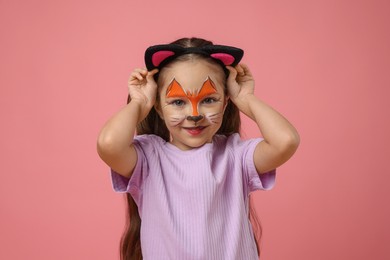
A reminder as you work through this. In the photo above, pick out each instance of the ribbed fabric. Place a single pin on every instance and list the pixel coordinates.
(194, 204)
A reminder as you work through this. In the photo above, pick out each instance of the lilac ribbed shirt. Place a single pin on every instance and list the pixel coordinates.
(194, 204)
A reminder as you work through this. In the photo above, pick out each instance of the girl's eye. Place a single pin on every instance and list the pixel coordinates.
(208, 100)
(177, 102)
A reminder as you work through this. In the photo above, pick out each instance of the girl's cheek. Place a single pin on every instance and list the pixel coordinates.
(174, 117)
(214, 118)
(213, 115)
(175, 120)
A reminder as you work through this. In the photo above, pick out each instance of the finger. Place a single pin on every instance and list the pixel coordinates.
(240, 70)
(141, 71)
(232, 73)
(246, 69)
(153, 72)
(136, 75)
(150, 75)
(144, 72)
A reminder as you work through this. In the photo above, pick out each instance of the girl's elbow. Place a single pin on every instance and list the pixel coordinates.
(105, 145)
(295, 140)
(287, 144)
(291, 143)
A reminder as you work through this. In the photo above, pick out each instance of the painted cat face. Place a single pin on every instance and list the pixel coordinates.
(192, 103)
(201, 101)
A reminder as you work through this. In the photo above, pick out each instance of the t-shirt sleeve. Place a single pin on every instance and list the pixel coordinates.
(264, 181)
(133, 185)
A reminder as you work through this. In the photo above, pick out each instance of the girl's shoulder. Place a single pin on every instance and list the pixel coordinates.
(234, 142)
(227, 140)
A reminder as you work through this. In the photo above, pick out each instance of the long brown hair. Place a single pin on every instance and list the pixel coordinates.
(130, 245)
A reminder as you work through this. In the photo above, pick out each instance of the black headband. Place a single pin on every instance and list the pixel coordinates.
(158, 56)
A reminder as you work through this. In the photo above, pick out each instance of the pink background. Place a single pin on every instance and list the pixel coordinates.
(324, 64)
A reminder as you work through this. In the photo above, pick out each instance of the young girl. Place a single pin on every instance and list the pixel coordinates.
(187, 173)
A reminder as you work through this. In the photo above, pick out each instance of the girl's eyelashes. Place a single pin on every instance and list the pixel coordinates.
(181, 102)
(209, 100)
(177, 102)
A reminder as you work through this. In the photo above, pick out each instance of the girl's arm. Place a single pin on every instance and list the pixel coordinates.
(280, 138)
(115, 141)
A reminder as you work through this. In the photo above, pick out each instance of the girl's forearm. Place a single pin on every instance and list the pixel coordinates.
(275, 129)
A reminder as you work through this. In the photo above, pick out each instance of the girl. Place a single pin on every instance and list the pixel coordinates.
(187, 173)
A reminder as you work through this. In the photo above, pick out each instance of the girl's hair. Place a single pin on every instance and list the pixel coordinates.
(130, 245)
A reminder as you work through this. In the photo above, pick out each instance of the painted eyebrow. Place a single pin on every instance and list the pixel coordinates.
(176, 90)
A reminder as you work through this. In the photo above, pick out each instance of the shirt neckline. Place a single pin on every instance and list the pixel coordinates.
(205, 147)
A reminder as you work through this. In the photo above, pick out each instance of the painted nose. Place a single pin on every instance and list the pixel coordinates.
(195, 118)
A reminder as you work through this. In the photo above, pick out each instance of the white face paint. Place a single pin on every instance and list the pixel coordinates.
(214, 118)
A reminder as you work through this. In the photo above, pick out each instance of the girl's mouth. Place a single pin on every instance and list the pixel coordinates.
(194, 130)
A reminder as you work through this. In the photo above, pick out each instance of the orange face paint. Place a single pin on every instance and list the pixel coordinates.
(176, 90)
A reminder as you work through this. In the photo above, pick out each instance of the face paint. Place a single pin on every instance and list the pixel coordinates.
(214, 118)
(189, 91)
(176, 90)
(175, 120)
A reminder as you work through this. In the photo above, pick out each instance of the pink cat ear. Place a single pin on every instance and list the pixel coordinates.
(160, 56)
(226, 59)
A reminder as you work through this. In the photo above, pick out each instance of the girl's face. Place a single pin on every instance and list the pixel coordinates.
(192, 101)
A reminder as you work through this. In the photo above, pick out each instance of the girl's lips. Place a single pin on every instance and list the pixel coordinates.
(194, 130)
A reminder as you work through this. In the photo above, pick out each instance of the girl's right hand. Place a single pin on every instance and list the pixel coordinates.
(143, 89)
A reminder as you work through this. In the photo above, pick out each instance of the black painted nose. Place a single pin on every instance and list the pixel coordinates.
(195, 118)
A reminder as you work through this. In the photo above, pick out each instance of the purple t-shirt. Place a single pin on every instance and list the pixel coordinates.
(194, 204)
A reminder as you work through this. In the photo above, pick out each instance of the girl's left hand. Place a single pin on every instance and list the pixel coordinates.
(240, 84)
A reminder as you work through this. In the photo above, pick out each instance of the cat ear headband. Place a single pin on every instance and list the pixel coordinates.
(158, 56)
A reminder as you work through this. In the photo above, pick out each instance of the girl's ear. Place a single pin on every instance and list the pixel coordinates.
(157, 107)
(226, 102)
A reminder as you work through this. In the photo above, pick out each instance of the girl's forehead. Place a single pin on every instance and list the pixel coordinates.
(192, 75)
(195, 83)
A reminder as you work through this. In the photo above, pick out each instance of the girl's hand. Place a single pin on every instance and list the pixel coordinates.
(240, 85)
(143, 89)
